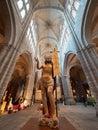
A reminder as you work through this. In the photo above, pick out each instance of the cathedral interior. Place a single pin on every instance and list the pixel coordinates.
(32, 29)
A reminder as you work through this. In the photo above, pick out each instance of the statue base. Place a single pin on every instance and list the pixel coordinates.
(49, 122)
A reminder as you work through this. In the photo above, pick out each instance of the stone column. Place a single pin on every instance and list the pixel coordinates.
(6, 69)
(8, 60)
(29, 89)
(67, 90)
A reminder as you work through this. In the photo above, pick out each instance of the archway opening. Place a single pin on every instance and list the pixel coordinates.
(16, 88)
(80, 87)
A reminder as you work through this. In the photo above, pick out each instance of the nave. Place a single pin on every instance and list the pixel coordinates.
(37, 29)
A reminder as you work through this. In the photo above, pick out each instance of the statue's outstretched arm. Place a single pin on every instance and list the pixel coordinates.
(38, 67)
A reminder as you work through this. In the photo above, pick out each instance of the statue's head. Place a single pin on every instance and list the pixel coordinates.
(48, 59)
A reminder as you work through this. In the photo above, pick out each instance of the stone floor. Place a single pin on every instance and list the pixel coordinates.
(81, 117)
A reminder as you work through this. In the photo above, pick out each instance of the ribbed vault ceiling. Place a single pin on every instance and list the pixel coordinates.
(48, 17)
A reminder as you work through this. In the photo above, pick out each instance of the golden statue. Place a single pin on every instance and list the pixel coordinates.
(47, 85)
(50, 71)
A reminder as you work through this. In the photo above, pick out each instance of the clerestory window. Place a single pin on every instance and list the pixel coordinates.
(23, 6)
(73, 6)
(31, 35)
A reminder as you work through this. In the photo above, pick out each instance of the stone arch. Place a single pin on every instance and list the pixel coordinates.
(73, 77)
(90, 22)
(77, 78)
